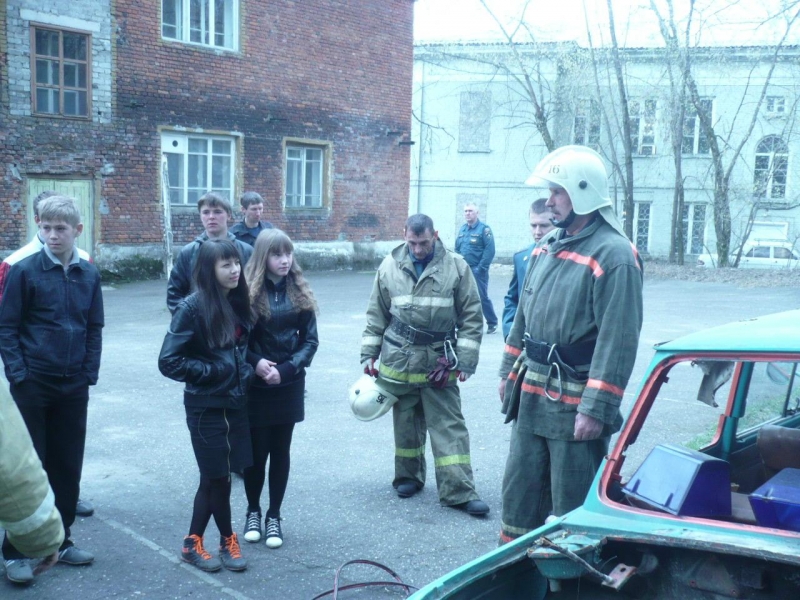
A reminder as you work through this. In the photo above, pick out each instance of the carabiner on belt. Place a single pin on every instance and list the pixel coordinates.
(553, 366)
(454, 358)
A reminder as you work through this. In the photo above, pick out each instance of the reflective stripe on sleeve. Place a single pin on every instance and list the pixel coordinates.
(371, 340)
(605, 387)
(512, 350)
(36, 520)
(468, 344)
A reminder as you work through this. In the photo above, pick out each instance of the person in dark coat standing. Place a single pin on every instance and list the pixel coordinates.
(215, 211)
(251, 225)
(206, 348)
(282, 346)
(475, 242)
(539, 216)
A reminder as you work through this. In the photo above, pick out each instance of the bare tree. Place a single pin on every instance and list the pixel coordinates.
(678, 66)
(525, 78)
(723, 148)
(625, 115)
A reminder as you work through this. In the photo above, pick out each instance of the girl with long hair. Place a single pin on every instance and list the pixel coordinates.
(206, 347)
(282, 346)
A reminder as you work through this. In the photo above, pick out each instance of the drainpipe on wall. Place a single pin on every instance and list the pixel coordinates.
(421, 139)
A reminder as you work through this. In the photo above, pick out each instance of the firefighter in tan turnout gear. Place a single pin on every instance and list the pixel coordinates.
(572, 346)
(424, 321)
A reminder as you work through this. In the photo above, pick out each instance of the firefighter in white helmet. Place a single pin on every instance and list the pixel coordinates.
(571, 348)
(424, 321)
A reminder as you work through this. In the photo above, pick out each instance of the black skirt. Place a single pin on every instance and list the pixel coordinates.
(276, 405)
(220, 439)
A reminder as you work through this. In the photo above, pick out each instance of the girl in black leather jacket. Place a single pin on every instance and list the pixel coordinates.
(282, 345)
(206, 347)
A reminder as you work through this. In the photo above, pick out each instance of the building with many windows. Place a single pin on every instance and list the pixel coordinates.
(476, 108)
(138, 108)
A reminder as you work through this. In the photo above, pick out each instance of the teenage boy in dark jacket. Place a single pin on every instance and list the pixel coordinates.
(251, 225)
(215, 211)
(51, 320)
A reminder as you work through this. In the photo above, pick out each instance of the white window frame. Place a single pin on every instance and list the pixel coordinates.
(303, 199)
(692, 129)
(637, 214)
(770, 191)
(183, 28)
(775, 105)
(178, 143)
(586, 126)
(644, 116)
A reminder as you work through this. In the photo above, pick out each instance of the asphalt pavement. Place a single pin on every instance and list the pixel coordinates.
(140, 472)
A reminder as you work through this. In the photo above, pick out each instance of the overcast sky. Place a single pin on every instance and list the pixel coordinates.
(726, 22)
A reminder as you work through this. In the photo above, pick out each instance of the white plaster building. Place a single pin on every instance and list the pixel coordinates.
(476, 140)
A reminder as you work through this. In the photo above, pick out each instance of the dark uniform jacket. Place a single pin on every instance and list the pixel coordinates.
(476, 245)
(242, 233)
(51, 320)
(180, 279)
(511, 301)
(442, 299)
(582, 288)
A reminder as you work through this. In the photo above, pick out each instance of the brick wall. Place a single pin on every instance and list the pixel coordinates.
(324, 70)
(336, 72)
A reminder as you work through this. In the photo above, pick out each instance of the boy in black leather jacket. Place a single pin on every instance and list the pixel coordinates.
(51, 320)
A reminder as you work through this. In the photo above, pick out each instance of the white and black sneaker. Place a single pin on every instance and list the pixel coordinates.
(252, 529)
(274, 535)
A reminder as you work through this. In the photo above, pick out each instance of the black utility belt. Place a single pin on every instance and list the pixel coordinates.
(416, 336)
(571, 355)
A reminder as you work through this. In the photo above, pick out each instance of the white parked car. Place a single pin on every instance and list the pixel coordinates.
(760, 254)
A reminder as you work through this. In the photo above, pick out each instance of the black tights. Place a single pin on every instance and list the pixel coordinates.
(213, 498)
(271, 442)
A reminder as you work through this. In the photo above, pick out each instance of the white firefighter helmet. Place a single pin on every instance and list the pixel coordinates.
(582, 173)
(369, 401)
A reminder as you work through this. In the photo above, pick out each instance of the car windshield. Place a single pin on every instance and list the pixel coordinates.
(717, 409)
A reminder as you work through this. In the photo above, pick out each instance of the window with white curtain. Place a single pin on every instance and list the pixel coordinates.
(212, 23)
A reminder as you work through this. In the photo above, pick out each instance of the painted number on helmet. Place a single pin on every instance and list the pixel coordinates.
(554, 169)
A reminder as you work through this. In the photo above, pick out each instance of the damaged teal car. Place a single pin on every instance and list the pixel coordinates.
(699, 496)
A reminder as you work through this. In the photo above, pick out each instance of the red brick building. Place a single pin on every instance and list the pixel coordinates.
(138, 108)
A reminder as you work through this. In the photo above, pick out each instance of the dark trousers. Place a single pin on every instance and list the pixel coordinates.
(272, 442)
(482, 279)
(54, 410)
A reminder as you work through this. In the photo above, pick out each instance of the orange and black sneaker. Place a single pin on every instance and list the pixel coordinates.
(194, 554)
(231, 554)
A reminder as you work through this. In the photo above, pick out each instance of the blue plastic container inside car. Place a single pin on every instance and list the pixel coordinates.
(777, 502)
(682, 482)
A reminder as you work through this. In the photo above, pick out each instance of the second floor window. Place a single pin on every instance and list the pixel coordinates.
(643, 126)
(775, 105)
(206, 22)
(771, 167)
(587, 124)
(695, 141)
(197, 164)
(61, 72)
(475, 122)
